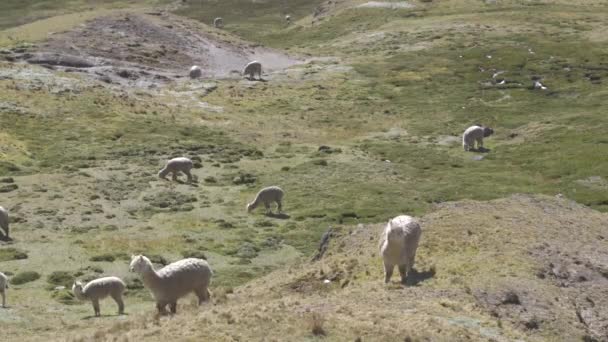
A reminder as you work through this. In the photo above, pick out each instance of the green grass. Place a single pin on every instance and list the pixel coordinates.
(250, 19)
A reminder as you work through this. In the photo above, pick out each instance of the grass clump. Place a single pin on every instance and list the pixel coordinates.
(7, 254)
(193, 253)
(61, 278)
(64, 296)
(103, 257)
(25, 277)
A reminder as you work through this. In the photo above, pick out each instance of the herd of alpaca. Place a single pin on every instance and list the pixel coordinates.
(398, 244)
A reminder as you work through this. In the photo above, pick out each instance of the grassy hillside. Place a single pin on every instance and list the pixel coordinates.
(387, 92)
(504, 270)
(18, 12)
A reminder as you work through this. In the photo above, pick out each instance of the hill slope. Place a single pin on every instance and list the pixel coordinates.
(523, 268)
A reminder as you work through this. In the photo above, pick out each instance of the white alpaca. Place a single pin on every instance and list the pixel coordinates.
(4, 224)
(195, 72)
(475, 134)
(253, 68)
(267, 196)
(218, 22)
(174, 280)
(3, 287)
(175, 166)
(288, 19)
(99, 289)
(398, 245)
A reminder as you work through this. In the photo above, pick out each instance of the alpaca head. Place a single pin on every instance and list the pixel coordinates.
(487, 131)
(139, 263)
(77, 285)
(395, 233)
(77, 289)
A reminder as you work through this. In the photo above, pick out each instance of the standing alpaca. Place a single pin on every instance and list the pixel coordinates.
(267, 196)
(398, 245)
(253, 68)
(99, 289)
(474, 134)
(3, 287)
(4, 224)
(218, 22)
(174, 280)
(176, 165)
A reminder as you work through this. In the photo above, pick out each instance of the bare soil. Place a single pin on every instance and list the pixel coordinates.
(149, 49)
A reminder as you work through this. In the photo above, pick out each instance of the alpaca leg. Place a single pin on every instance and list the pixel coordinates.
(96, 307)
(120, 303)
(267, 205)
(174, 176)
(3, 299)
(161, 308)
(203, 295)
(189, 176)
(403, 272)
(173, 307)
(480, 143)
(279, 207)
(412, 260)
(388, 272)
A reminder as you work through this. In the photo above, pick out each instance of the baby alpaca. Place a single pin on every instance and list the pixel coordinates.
(3, 287)
(99, 289)
(176, 165)
(475, 134)
(398, 244)
(267, 196)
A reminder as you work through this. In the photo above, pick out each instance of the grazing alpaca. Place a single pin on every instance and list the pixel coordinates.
(253, 68)
(267, 196)
(175, 166)
(475, 134)
(398, 245)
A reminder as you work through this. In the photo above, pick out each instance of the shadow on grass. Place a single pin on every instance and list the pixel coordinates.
(86, 318)
(281, 216)
(480, 150)
(415, 277)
